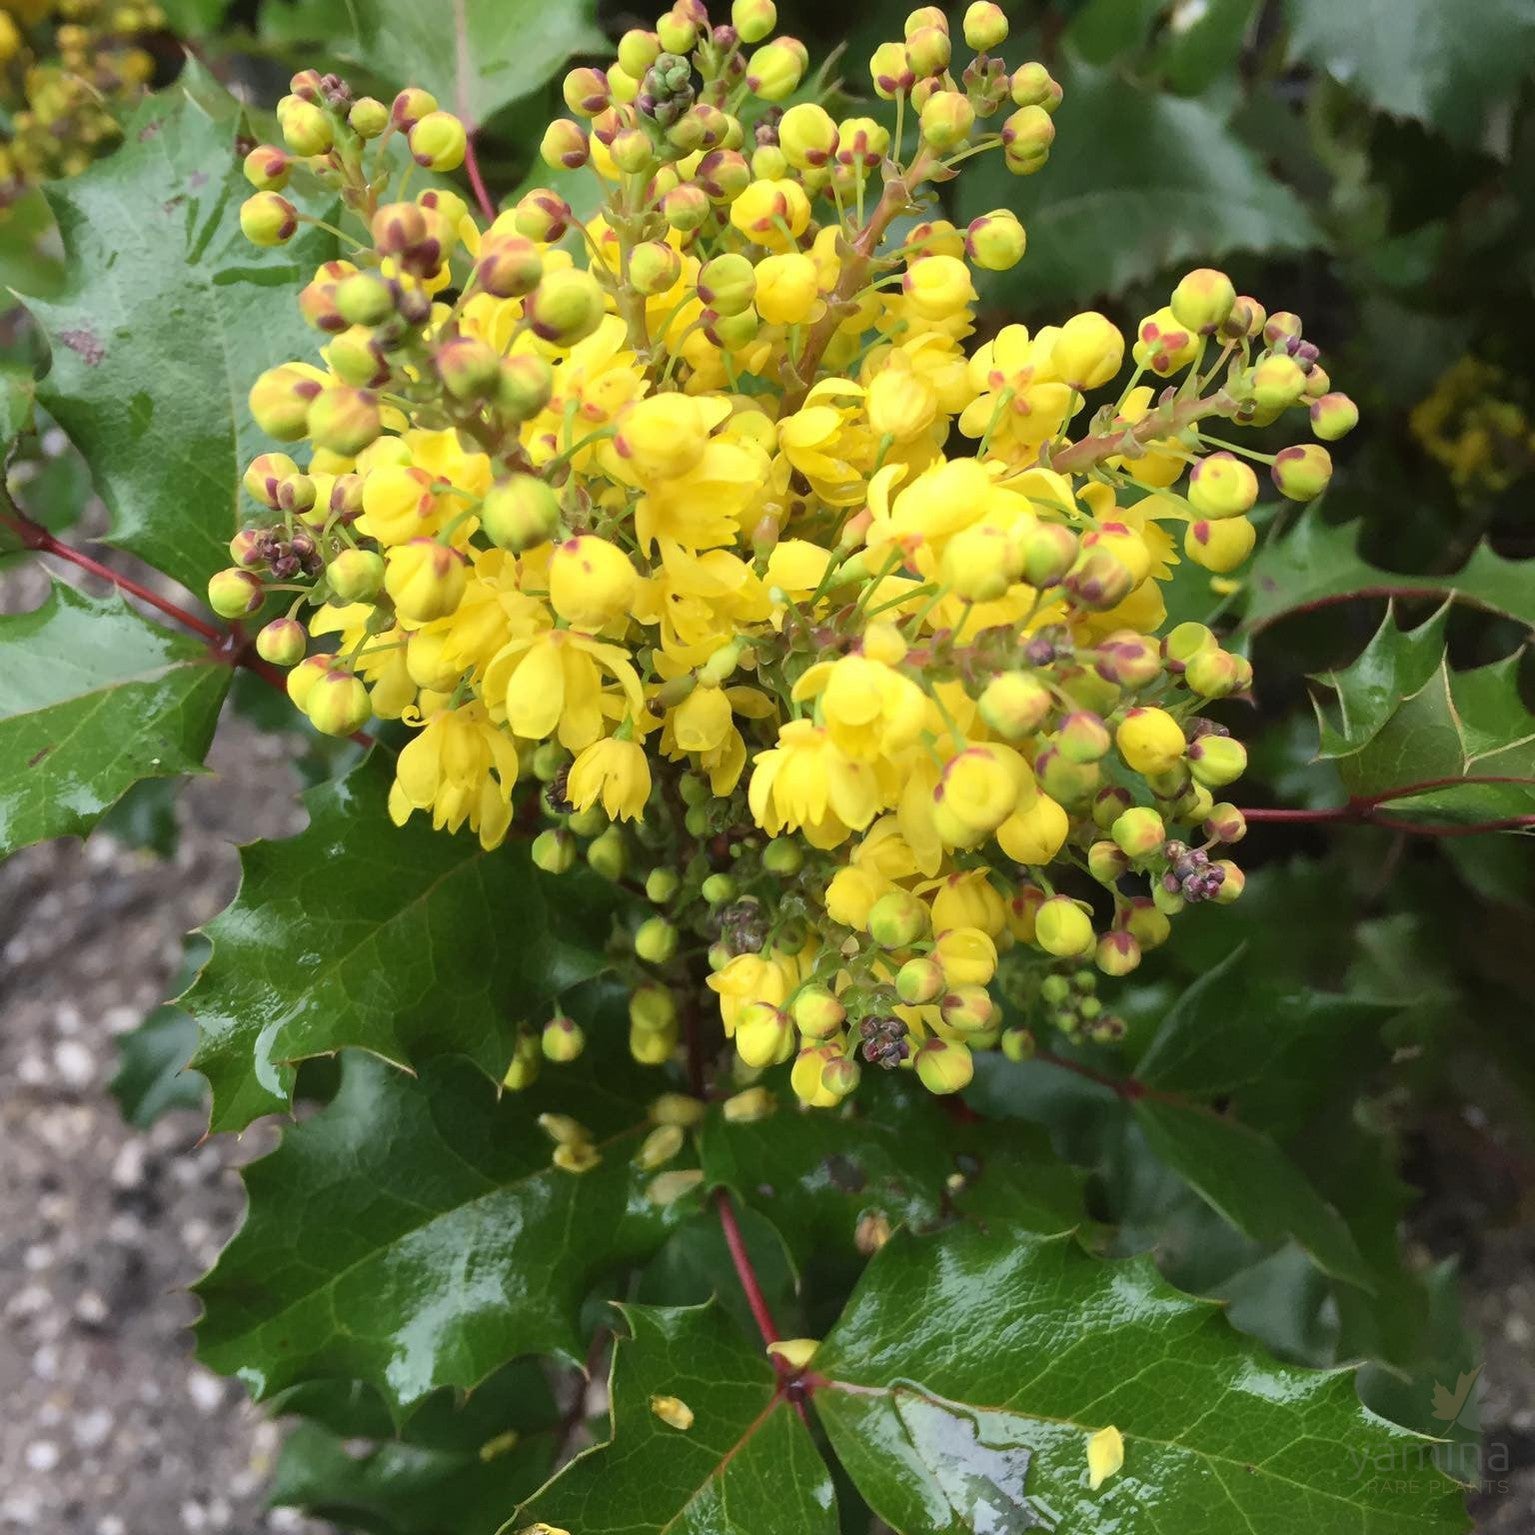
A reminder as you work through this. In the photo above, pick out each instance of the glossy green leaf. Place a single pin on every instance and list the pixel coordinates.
(475, 56)
(892, 1149)
(402, 941)
(1448, 66)
(1395, 665)
(1273, 1047)
(1246, 1177)
(166, 317)
(415, 1234)
(94, 698)
(455, 1468)
(1316, 564)
(969, 1370)
(1461, 748)
(1203, 43)
(745, 1466)
(1137, 182)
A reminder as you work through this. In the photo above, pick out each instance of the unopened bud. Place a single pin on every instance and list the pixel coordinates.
(234, 593)
(1302, 472)
(268, 219)
(944, 1066)
(566, 307)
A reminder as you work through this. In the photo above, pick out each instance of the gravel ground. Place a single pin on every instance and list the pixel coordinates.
(110, 1426)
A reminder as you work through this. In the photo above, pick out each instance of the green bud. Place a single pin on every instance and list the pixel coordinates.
(1108, 805)
(919, 981)
(1054, 990)
(753, 19)
(783, 857)
(1216, 761)
(524, 387)
(355, 575)
(1185, 641)
(344, 420)
(1203, 300)
(1333, 416)
(590, 822)
(554, 850)
(1015, 704)
(1232, 885)
(727, 284)
(944, 1066)
(283, 642)
(549, 758)
(268, 218)
(1019, 1044)
(566, 307)
(1083, 738)
(563, 1039)
(1139, 833)
(1213, 673)
(817, 1014)
(368, 117)
(608, 854)
(968, 1009)
(1033, 86)
(364, 298)
(234, 593)
(718, 889)
(897, 920)
(1106, 862)
(661, 885)
(654, 267)
(655, 940)
(1277, 382)
(543, 215)
(520, 512)
(509, 266)
(1051, 551)
(337, 704)
(696, 821)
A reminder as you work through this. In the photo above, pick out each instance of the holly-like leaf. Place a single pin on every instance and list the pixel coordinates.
(94, 698)
(1274, 1048)
(29, 247)
(455, 1468)
(166, 317)
(460, 1244)
(401, 941)
(893, 1149)
(1460, 749)
(1419, 58)
(1317, 563)
(963, 1382)
(475, 56)
(1395, 665)
(1138, 182)
(1245, 1176)
(744, 1464)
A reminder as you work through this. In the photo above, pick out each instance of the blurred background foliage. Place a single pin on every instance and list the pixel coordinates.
(1370, 165)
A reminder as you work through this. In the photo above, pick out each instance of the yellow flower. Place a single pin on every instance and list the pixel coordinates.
(870, 709)
(806, 783)
(552, 682)
(615, 772)
(460, 767)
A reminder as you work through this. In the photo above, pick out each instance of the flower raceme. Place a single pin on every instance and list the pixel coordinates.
(705, 528)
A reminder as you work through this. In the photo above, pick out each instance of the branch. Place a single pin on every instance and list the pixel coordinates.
(1374, 810)
(229, 647)
(743, 1266)
(477, 181)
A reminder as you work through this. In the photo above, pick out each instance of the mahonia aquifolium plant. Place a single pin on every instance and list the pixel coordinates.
(699, 529)
(64, 66)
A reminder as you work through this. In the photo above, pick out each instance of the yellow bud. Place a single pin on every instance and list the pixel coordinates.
(667, 1188)
(591, 582)
(576, 1159)
(775, 70)
(426, 579)
(438, 141)
(944, 1066)
(336, 702)
(985, 26)
(764, 1035)
(1203, 300)
(890, 70)
(268, 219)
(1219, 546)
(996, 241)
(947, 118)
(566, 306)
(1088, 351)
(1150, 740)
(938, 287)
(807, 135)
(1062, 927)
(1222, 486)
(659, 1147)
(787, 291)
(745, 1108)
(753, 19)
(967, 956)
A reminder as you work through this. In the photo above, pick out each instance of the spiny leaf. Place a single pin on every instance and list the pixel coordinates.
(1395, 665)
(455, 1468)
(475, 56)
(1249, 1180)
(402, 941)
(166, 316)
(962, 1384)
(460, 1244)
(153, 1077)
(1464, 738)
(93, 699)
(893, 1150)
(1444, 65)
(1317, 563)
(1275, 1048)
(1137, 182)
(744, 1464)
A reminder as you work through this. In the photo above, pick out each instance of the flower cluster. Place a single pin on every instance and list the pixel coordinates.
(64, 66)
(703, 528)
(1473, 424)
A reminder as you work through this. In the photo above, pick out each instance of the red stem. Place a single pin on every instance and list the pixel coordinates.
(743, 1266)
(229, 646)
(45, 543)
(477, 181)
(1125, 1087)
